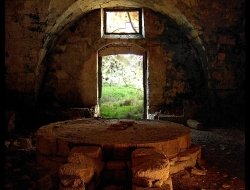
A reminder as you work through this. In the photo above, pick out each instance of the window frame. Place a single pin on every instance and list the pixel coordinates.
(106, 34)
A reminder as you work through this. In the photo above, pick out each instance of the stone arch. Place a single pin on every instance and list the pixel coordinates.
(81, 7)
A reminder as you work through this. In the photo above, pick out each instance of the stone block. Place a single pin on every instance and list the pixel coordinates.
(171, 148)
(196, 171)
(90, 186)
(185, 159)
(142, 181)
(84, 160)
(184, 142)
(80, 171)
(164, 187)
(194, 152)
(151, 164)
(91, 151)
(71, 181)
(141, 152)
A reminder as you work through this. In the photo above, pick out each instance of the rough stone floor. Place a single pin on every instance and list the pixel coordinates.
(223, 156)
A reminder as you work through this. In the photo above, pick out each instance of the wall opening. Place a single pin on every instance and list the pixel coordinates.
(121, 89)
(122, 23)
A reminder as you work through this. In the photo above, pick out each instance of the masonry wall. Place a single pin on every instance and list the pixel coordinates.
(175, 73)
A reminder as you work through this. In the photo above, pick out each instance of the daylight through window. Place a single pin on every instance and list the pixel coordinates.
(123, 22)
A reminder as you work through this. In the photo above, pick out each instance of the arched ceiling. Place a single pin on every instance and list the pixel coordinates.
(80, 7)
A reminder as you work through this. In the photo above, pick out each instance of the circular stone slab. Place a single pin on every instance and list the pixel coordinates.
(169, 137)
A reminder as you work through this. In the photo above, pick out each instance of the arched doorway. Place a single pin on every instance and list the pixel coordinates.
(122, 81)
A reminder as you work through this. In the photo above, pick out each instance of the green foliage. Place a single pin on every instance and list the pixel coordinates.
(122, 70)
(122, 90)
(121, 102)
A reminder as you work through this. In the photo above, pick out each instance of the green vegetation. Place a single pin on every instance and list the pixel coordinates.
(122, 86)
(121, 102)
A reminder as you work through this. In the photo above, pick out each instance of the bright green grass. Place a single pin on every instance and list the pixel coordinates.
(121, 102)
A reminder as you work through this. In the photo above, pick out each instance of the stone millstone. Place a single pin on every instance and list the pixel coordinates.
(171, 138)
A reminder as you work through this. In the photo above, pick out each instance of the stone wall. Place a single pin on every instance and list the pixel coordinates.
(71, 79)
(25, 24)
(51, 49)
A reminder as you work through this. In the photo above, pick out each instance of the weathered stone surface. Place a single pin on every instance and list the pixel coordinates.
(194, 124)
(71, 181)
(142, 181)
(152, 183)
(196, 171)
(91, 151)
(158, 185)
(90, 186)
(79, 158)
(184, 142)
(77, 170)
(165, 136)
(185, 159)
(194, 151)
(152, 165)
(86, 161)
(141, 152)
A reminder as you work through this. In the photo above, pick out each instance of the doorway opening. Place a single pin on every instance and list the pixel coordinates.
(121, 89)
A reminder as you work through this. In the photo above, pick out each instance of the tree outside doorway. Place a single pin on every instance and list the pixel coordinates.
(122, 93)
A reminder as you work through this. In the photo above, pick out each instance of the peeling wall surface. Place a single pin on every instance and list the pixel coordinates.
(195, 54)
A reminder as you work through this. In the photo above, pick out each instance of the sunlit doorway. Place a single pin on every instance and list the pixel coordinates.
(121, 90)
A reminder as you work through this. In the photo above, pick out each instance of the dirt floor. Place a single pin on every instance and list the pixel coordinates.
(223, 153)
(223, 161)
